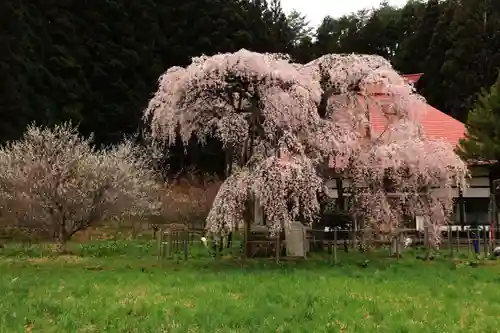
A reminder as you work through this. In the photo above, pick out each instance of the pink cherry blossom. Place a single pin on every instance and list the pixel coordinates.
(291, 126)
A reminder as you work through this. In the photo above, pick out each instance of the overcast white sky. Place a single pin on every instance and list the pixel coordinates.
(316, 10)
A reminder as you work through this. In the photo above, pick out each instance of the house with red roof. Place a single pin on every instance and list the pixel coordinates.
(471, 204)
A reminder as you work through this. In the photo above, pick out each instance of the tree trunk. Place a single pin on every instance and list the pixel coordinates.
(61, 246)
(62, 240)
(228, 161)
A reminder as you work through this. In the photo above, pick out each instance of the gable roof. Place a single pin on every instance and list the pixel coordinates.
(412, 78)
(435, 124)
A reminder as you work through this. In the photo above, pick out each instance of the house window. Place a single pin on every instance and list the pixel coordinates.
(476, 211)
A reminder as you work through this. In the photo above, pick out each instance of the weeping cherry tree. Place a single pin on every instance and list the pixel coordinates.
(285, 127)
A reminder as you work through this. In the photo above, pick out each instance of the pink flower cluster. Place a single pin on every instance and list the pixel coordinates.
(285, 123)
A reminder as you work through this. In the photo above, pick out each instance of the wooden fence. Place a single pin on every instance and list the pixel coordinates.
(466, 241)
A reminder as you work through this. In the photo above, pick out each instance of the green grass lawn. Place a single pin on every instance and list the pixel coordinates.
(121, 287)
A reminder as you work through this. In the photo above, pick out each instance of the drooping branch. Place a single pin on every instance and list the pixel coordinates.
(289, 122)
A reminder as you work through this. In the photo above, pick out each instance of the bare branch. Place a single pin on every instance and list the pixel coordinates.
(55, 176)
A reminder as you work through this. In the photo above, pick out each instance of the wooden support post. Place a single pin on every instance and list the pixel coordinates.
(168, 246)
(495, 220)
(335, 246)
(341, 199)
(278, 247)
(159, 240)
(427, 242)
(329, 245)
(461, 207)
(354, 234)
(216, 248)
(426, 238)
(450, 241)
(485, 245)
(461, 213)
(186, 243)
(397, 240)
(305, 246)
(468, 242)
(246, 243)
(495, 235)
(494, 183)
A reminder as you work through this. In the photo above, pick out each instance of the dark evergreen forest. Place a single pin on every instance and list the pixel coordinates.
(96, 62)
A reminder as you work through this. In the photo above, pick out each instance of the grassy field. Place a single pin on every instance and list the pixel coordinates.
(114, 286)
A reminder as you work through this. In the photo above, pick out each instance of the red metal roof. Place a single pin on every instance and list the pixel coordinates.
(412, 78)
(435, 124)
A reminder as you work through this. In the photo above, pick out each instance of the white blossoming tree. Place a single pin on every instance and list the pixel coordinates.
(286, 125)
(55, 181)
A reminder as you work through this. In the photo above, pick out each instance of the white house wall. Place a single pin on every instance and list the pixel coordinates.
(258, 213)
(477, 192)
(443, 192)
(479, 186)
(332, 183)
(479, 182)
(332, 193)
(331, 189)
(479, 171)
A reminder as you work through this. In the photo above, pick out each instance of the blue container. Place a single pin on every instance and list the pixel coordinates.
(475, 243)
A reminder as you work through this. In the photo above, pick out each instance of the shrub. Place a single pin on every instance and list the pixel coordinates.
(187, 201)
(55, 180)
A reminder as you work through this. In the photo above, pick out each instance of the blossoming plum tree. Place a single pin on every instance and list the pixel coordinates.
(284, 125)
(54, 180)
